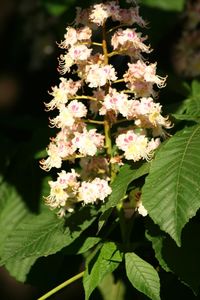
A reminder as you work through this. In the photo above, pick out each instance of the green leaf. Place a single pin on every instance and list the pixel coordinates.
(119, 186)
(142, 276)
(187, 117)
(170, 5)
(112, 289)
(20, 268)
(193, 103)
(103, 218)
(105, 261)
(45, 234)
(88, 244)
(157, 244)
(81, 245)
(12, 212)
(55, 9)
(171, 193)
(40, 154)
(184, 261)
(190, 108)
(195, 88)
(58, 7)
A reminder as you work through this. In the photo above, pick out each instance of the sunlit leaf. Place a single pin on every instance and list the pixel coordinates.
(193, 103)
(171, 193)
(20, 268)
(105, 261)
(45, 234)
(112, 289)
(119, 186)
(13, 211)
(142, 276)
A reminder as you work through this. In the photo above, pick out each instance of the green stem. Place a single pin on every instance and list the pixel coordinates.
(118, 81)
(83, 97)
(106, 120)
(61, 286)
(128, 92)
(91, 43)
(104, 45)
(96, 44)
(119, 52)
(116, 27)
(108, 144)
(113, 53)
(94, 121)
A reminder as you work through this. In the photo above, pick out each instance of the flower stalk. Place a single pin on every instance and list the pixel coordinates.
(61, 286)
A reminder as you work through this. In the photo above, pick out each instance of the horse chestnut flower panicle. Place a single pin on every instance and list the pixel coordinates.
(89, 134)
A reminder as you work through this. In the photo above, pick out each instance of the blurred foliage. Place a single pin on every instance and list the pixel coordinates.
(169, 5)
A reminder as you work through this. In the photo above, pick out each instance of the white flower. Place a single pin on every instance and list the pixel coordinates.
(97, 189)
(65, 63)
(63, 189)
(97, 75)
(74, 36)
(99, 14)
(59, 149)
(79, 52)
(68, 115)
(84, 34)
(76, 54)
(53, 159)
(141, 209)
(77, 109)
(129, 41)
(66, 88)
(136, 146)
(115, 101)
(68, 179)
(141, 77)
(70, 38)
(88, 142)
(148, 114)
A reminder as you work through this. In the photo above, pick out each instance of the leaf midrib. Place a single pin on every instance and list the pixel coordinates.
(29, 244)
(179, 173)
(143, 277)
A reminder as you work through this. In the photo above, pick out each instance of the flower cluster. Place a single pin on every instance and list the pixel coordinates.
(136, 146)
(66, 191)
(141, 77)
(91, 106)
(129, 42)
(99, 13)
